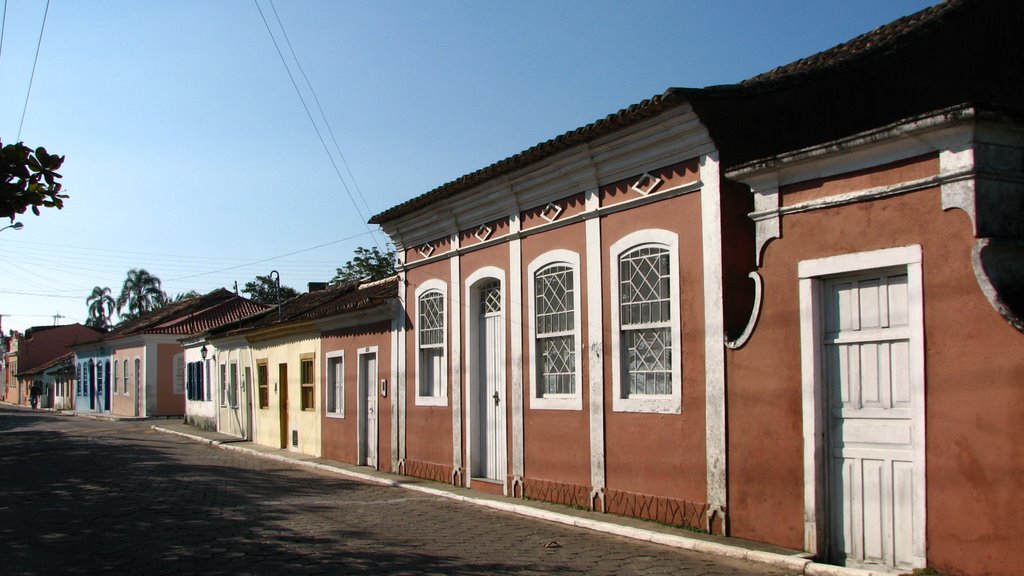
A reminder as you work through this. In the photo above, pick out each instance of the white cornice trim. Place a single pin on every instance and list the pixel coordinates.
(890, 143)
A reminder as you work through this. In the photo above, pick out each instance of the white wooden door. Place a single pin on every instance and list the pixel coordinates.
(872, 478)
(368, 409)
(490, 397)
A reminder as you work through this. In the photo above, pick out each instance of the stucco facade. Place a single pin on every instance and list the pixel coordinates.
(902, 192)
(289, 422)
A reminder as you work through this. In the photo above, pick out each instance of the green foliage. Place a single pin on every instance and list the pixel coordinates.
(265, 291)
(101, 307)
(29, 180)
(186, 295)
(140, 293)
(367, 264)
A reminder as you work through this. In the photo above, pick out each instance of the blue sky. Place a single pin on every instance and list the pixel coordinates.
(189, 152)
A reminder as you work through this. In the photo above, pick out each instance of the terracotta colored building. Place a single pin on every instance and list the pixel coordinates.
(787, 310)
(27, 354)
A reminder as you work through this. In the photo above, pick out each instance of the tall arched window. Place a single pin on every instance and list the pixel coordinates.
(647, 360)
(555, 331)
(431, 344)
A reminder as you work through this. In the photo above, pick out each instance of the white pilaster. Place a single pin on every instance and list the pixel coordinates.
(455, 361)
(714, 337)
(595, 348)
(515, 318)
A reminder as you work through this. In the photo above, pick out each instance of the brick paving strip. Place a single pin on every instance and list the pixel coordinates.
(796, 562)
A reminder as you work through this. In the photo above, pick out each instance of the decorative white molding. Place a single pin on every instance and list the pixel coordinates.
(646, 184)
(483, 232)
(426, 249)
(590, 212)
(665, 139)
(1007, 258)
(551, 212)
(755, 313)
(959, 193)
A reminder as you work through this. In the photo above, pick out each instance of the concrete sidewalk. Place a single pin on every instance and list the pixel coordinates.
(797, 561)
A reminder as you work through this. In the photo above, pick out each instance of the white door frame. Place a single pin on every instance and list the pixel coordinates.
(816, 450)
(472, 332)
(367, 425)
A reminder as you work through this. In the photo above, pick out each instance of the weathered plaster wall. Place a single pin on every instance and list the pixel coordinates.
(340, 435)
(661, 455)
(973, 382)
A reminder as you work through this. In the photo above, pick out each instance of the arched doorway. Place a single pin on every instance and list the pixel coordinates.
(486, 388)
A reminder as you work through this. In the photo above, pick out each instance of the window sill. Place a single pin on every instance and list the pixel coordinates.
(335, 415)
(431, 400)
(649, 405)
(571, 403)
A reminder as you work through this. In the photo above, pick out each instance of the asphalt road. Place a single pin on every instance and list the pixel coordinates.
(80, 496)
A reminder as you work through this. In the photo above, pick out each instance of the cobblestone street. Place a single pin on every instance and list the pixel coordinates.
(81, 496)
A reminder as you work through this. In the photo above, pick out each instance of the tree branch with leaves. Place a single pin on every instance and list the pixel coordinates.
(367, 264)
(29, 180)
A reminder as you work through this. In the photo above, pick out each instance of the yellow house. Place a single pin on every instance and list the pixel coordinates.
(287, 376)
(273, 364)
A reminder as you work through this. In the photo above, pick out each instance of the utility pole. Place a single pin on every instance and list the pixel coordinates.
(56, 317)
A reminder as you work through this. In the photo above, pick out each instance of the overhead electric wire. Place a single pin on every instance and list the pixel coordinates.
(3, 28)
(316, 128)
(320, 109)
(32, 77)
(273, 257)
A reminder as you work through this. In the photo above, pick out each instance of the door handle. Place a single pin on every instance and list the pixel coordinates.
(497, 399)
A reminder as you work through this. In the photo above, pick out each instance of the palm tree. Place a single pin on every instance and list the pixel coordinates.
(141, 293)
(101, 306)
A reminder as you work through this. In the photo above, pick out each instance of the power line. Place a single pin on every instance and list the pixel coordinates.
(35, 60)
(272, 258)
(316, 128)
(320, 109)
(3, 28)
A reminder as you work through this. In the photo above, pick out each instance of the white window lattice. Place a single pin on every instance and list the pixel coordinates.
(431, 336)
(431, 319)
(490, 298)
(555, 330)
(645, 317)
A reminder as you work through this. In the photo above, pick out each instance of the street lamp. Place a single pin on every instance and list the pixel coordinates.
(16, 226)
